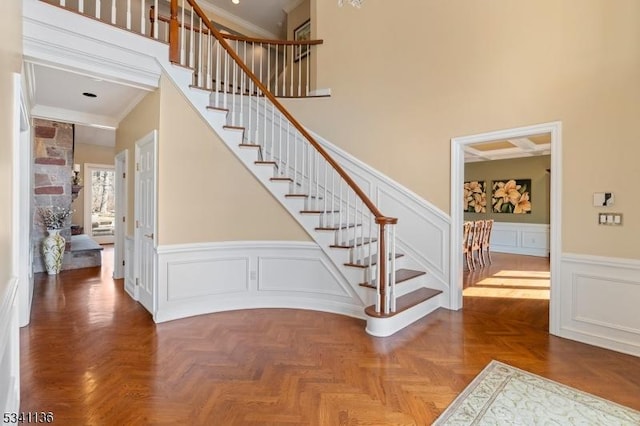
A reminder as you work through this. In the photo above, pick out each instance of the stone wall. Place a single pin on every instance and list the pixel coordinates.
(52, 169)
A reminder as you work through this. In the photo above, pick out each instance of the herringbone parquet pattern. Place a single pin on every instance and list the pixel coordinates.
(92, 356)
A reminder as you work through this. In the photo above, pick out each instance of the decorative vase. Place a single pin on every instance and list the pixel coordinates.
(53, 251)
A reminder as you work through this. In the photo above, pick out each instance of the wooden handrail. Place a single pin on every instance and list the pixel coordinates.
(173, 42)
(267, 41)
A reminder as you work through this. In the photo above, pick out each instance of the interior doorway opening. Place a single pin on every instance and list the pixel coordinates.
(463, 145)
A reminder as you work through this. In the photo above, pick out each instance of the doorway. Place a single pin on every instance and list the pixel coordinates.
(100, 202)
(458, 146)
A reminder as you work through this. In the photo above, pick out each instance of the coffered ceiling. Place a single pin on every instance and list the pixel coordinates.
(508, 148)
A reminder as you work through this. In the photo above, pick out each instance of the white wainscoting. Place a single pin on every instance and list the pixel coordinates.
(601, 301)
(530, 239)
(423, 232)
(195, 279)
(9, 349)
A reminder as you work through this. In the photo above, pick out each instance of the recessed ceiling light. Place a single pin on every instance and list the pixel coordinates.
(90, 95)
(235, 1)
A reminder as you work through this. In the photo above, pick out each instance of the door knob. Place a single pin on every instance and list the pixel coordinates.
(149, 235)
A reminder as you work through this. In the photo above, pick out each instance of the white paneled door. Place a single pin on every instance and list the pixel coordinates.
(145, 220)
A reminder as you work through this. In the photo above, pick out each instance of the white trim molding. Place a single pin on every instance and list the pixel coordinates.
(195, 279)
(458, 146)
(9, 349)
(530, 239)
(601, 295)
(89, 47)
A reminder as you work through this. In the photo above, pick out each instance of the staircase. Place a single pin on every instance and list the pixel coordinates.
(235, 100)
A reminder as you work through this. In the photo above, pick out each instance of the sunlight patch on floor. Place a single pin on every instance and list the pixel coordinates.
(523, 274)
(512, 285)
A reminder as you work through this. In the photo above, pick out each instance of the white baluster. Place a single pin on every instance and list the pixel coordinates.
(143, 16)
(234, 82)
(300, 75)
(317, 179)
(113, 12)
(276, 75)
(218, 73)
(129, 16)
(63, 3)
(292, 63)
(156, 28)
(392, 266)
(200, 70)
(308, 62)
(268, 54)
(98, 7)
(191, 45)
(80, 5)
(182, 50)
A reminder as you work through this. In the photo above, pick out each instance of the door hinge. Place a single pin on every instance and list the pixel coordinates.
(137, 167)
(123, 263)
(137, 281)
(123, 218)
(137, 224)
(124, 175)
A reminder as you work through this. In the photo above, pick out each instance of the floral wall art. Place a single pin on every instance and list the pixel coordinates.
(511, 196)
(475, 197)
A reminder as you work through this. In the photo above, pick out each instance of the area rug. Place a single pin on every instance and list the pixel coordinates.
(505, 395)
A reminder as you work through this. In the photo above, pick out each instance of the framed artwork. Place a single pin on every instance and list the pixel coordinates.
(302, 33)
(511, 196)
(475, 197)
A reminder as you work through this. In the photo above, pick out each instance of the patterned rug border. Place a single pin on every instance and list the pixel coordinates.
(496, 375)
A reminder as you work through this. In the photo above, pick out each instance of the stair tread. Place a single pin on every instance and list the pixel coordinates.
(338, 227)
(353, 243)
(281, 179)
(249, 145)
(370, 261)
(217, 108)
(402, 275)
(405, 302)
(302, 196)
(271, 163)
(318, 211)
(233, 127)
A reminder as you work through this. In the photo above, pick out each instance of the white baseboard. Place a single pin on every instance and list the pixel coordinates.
(9, 349)
(195, 279)
(600, 299)
(529, 239)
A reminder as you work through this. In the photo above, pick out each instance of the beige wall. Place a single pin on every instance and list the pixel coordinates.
(297, 17)
(142, 120)
(476, 66)
(10, 62)
(205, 193)
(87, 153)
(534, 168)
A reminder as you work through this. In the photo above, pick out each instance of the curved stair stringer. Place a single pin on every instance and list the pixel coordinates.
(233, 137)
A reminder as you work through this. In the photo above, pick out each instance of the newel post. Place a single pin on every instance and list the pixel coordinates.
(174, 26)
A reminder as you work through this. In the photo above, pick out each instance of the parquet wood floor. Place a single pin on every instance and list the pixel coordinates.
(93, 356)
